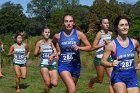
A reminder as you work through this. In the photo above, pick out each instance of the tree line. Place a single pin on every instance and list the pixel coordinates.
(51, 12)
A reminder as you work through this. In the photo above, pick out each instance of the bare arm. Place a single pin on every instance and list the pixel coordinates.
(85, 41)
(95, 44)
(11, 50)
(37, 48)
(58, 49)
(55, 42)
(56, 39)
(27, 50)
(54, 50)
(108, 50)
(137, 49)
(106, 55)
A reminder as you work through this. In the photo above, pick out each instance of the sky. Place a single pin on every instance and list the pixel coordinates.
(82, 2)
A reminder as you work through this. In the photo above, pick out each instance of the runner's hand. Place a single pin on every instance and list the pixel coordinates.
(115, 63)
(75, 47)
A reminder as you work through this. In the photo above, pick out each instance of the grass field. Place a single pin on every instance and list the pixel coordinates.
(35, 84)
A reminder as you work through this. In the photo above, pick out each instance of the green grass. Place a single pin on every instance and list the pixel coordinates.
(34, 82)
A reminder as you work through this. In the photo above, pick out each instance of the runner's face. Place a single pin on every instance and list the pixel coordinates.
(105, 24)
(19, 39)
(123, 27)
(68, 22)
(46, 33)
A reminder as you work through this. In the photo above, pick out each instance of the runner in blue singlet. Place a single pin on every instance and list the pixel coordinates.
(20, 51)
(48, 68)
(123, 77)
(69, 58)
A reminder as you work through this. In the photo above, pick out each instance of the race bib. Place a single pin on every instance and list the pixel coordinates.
(128, 64)
(45, 55)
(20, 57)
(67, 57)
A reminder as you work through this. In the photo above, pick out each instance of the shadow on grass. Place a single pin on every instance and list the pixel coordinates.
(22, 86)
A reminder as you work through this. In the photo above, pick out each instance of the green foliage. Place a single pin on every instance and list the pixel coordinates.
(134, 25)
(131, 11)
(90, 36)
(114, 6)
(56, 12)
(34, 27)
(55, 22)
(102, 9)
(31, 41)
(137, 8)
(12, 18)
(51, 12)
(43, 9)
(81, 15)
(7, 42)
(98, 10)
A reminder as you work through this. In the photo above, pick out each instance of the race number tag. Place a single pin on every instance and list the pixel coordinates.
(20, 57)
(68, 57)
(127, 64)
(45, 55)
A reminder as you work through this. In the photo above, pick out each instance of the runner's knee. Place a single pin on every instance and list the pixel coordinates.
(55, 82)
(18, 76)
(23, 77)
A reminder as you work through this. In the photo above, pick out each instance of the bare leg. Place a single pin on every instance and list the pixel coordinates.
(75, 80)
(54, 77)
(120, 88)
(69, 81)
(99, 78)
(109, 71)
(23, 71)
(18, 75)
(0, 71)
(46, 77)
(133, 90)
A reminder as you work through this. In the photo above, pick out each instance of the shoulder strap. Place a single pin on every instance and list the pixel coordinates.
(101, 31)
(130, 41)
(50, 41)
